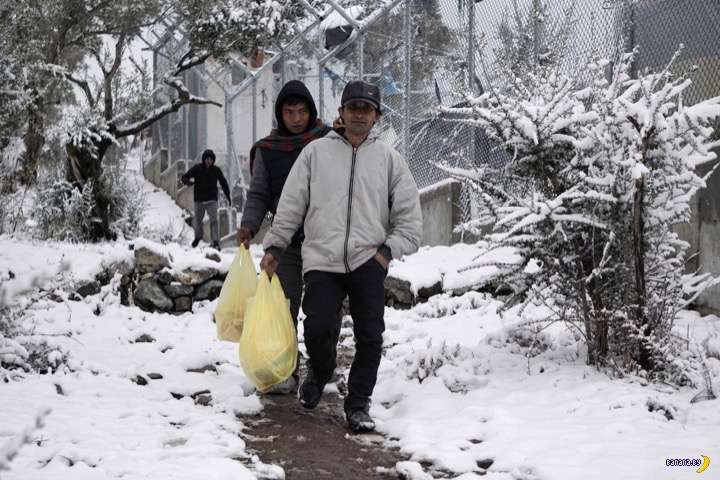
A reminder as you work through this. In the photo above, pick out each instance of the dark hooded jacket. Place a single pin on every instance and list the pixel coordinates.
(205, 182)
(272, 158)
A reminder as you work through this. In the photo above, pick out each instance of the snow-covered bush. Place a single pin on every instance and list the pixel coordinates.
(22, 348)
(10, 448)
(10, 207)
(65, 213)
(612, 166)
(126, 199)
(11, 211)
(166, 232)
(62, 212)
(458, 366)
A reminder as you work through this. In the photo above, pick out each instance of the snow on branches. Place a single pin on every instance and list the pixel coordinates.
(216, 28)
(601, 171)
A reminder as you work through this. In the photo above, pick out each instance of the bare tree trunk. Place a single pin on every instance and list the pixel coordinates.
(641, 319)
(34, 140)
(596, 327)
(84, 167)
(587, 319)
(639, 247)
(599, 318)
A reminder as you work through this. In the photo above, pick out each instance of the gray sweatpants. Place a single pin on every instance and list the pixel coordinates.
(211, 207)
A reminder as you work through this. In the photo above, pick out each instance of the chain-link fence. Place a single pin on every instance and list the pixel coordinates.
(422, 53)
(180, 133)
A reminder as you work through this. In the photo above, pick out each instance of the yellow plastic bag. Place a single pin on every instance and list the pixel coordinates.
(268, 346)
(240, 284)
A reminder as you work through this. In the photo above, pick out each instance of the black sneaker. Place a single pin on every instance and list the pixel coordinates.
(359, 420)
(195, 242)
(216, 246)
(310, 390)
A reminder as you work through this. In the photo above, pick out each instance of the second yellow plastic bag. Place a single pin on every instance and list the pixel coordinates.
(268, 346)
(240, 284)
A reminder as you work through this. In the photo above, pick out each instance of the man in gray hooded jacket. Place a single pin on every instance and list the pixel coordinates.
(360, 207)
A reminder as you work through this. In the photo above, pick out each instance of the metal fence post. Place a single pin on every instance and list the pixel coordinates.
(408, 79)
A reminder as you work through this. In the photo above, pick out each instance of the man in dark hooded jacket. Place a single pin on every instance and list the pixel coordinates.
(271, 159)
(205, 177)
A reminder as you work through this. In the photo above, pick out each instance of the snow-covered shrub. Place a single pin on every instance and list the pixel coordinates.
(446, 304)
(22, 348)
(165, 233)
(11, 148)
(613, 167)
(126, 199)
(63, 212)
(12, 213)
(456, 365)
(11, 447)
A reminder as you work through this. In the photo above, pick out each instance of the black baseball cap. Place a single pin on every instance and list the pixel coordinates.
(359, 91)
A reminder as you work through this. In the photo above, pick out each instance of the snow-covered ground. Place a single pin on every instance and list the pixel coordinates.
(456, 386)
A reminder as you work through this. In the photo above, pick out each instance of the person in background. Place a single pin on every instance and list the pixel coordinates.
(361, 208)
(271, 159)
(204, 177)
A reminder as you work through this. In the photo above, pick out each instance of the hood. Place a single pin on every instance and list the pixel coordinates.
(294, 87)
(208, 154)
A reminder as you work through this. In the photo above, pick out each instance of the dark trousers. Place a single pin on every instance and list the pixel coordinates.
(289, 273)
(324, 294)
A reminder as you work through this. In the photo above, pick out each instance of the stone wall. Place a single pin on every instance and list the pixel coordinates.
(155, 286)
(154, 282)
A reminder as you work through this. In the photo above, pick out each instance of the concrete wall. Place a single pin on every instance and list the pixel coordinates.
(253, 112)
(184, 198)
(226, 232)
(705, 239)
(170, 179)
(154, 166)
(439, 204)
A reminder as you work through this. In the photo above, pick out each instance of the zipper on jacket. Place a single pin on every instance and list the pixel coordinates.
(349, 211)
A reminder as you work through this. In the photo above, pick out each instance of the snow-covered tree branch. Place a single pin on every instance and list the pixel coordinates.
(610, 167)
(51, 44)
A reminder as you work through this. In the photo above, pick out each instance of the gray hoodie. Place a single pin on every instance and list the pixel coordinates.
(352, 201)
